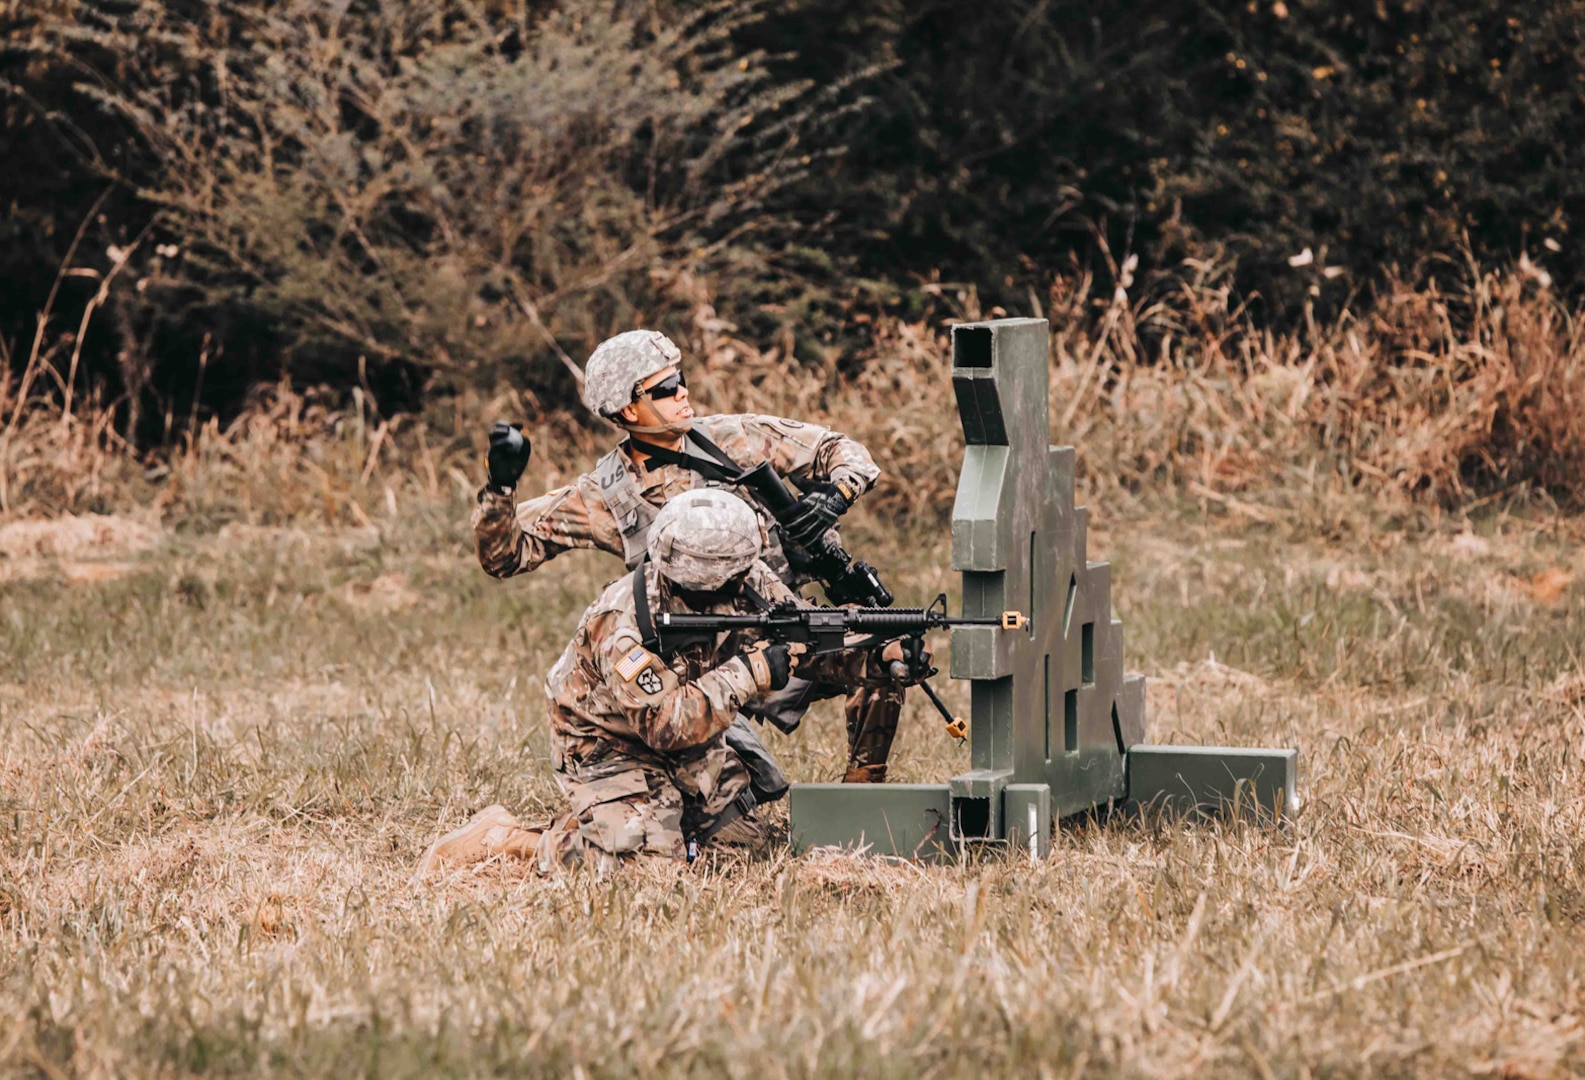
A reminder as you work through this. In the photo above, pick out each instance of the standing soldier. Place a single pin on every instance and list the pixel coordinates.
(639, 731)
(635, 380)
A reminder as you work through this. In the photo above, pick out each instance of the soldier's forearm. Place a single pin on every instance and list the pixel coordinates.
(844, 462)
(504, 546)
(698, 711)
(850, 667)
(496, 535)
(850, 482)
(498, 539)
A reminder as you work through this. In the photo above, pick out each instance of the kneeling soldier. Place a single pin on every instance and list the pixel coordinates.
(639, 737)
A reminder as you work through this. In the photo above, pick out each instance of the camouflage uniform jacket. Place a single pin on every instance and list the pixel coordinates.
(514, 539)
(614, 706)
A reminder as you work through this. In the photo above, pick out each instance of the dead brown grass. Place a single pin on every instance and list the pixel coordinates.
(1426, 400)
(216, 771)
(224, 742)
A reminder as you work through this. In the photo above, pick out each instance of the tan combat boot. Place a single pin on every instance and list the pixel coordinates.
(865, 774)
(492, 831)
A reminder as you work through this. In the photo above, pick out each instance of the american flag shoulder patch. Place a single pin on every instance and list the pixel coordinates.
(636, 660)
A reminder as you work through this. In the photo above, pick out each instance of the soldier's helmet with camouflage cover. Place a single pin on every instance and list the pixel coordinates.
(619, 364)
(703, 538)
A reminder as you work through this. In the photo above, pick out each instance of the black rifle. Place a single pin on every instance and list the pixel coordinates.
(829, 629)
(845, 579)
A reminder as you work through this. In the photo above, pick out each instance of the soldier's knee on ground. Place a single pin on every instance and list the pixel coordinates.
(630, 827)
(624, 814)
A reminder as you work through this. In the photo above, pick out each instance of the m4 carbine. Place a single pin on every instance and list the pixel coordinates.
(846, 580)
(833, 629)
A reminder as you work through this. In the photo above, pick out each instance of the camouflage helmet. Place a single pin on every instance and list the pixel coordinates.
(703, 538)
(619, 364)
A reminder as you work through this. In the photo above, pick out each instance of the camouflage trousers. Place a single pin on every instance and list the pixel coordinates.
(872, 714)
(625, 807)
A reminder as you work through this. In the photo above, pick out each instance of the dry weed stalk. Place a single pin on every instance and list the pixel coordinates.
(1426, 395)
(1431, 395)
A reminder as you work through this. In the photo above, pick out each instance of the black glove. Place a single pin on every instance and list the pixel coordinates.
(771, 665)
(813, 514)
(509, 453)
(915, 666)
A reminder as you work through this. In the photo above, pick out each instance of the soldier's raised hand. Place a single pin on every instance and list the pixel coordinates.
(508, 456)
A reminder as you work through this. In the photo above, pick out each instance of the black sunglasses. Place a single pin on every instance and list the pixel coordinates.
(666, 388)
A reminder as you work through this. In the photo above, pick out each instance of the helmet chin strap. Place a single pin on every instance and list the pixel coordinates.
(703, 598)
(675, 427)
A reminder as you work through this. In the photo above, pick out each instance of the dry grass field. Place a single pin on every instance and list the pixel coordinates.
(244, 683)
(221, 752)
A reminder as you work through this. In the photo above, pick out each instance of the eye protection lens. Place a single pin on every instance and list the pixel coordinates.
(666, 388)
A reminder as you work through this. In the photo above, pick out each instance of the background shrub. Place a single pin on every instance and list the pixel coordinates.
(420, 196)
(404, 192)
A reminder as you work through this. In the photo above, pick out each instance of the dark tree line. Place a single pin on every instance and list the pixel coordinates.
(421, 193)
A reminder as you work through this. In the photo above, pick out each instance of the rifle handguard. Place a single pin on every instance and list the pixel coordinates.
(846, 580)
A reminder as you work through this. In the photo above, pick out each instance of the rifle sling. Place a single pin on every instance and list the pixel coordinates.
(646, 625)
(723, 470)
(715, 451)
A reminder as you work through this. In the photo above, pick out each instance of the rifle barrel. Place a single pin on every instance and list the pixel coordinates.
(902, 620)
